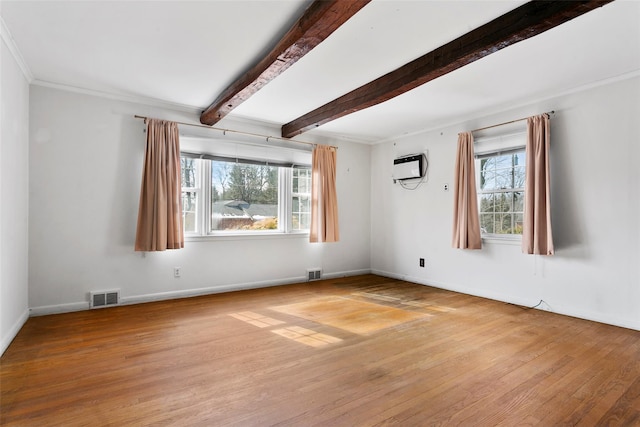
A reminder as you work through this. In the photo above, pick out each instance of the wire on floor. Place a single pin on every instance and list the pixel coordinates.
(529, 308)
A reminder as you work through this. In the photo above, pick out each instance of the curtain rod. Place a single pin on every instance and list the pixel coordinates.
(507, 123)
(224, 132)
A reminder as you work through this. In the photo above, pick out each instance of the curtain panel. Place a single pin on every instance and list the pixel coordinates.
(160, 212)
(466, 224)
(324, 198)
(536, 232)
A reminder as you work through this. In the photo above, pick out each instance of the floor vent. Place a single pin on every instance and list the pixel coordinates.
(314, 274)
(104, 298)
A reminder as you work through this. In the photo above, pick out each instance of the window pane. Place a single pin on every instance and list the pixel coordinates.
(501, 224)
(305, 221)
(486, 223)
(301, 212)
(501, 209)
(518, 177)
(189, 206)
(189, 176)
(504, 178)
(487, 174)
(519, 221)
(302, 181)
(486, 203)
(243, 196)
(518, 201)
(503, 202)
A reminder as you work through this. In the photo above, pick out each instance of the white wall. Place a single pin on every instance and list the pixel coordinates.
(595, 176)
(86, 155)
(14, 194)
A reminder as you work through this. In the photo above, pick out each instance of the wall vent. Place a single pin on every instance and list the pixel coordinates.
(314, 274)
(100, 299)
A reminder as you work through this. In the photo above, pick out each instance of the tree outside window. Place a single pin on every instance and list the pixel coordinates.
(243, 196)
(501, 192)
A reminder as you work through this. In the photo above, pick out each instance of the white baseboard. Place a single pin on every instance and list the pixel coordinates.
(58, 308)
(563, 310)
(345, 274)
(11, 334)
(187, 293)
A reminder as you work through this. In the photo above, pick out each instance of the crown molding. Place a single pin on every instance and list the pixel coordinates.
(505, 107)
(151, 102)
(8, 40)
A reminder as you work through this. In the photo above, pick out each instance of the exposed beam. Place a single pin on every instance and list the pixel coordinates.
(519, 24)
(320, 19)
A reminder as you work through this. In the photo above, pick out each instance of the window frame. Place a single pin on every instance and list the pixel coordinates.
(198, 192)
(491, 148)
(204, 230)
(300, 194)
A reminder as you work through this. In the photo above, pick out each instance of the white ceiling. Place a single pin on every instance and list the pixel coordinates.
(186, 53)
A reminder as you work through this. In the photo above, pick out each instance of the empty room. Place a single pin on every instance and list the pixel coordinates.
(320, 213)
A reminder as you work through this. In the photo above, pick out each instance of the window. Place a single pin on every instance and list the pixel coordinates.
(243, 196)
(301, 198)
(500, 182)
(190, 194)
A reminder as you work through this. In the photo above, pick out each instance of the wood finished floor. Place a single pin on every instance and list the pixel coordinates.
(357, 351)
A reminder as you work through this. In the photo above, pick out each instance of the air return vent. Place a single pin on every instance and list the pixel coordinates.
(314, 274)
(99, 299)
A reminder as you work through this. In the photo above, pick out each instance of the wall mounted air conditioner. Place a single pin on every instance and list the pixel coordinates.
(409, 167)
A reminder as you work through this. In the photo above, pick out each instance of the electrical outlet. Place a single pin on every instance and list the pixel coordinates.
(446, 187)
(421, 262)
(176, 272)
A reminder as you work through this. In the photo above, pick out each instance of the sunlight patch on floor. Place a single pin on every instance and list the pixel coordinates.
(256, 319)
(354, 316)
(306, 336)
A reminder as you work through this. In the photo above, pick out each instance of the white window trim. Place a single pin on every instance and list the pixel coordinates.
(494, 146)
(203, 211)
(198, 191)
(247, 236)
(505, 239)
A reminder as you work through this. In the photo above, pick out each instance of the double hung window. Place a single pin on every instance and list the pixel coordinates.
(500, 175)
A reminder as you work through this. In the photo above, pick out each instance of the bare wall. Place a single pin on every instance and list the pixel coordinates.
(14, 193)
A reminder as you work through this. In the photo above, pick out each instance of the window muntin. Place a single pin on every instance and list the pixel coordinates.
(245, 197)
(500, 183)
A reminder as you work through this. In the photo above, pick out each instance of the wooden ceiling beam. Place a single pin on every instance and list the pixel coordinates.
(317, 23)
(519, 24)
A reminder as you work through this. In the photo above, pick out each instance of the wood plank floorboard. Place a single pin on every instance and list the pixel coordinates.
(355, 351)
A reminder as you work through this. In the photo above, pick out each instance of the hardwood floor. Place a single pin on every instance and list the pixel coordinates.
(357, 351)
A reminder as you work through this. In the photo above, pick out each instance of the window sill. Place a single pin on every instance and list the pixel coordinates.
(505, 240)
(220, 237)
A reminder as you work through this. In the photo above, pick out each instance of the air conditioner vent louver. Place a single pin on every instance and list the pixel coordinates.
(314, 274)
(98, 299)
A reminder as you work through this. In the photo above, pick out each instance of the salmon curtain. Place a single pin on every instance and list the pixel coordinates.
(160, 212)
(324, 199)
(536, 231)
(466, 224)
